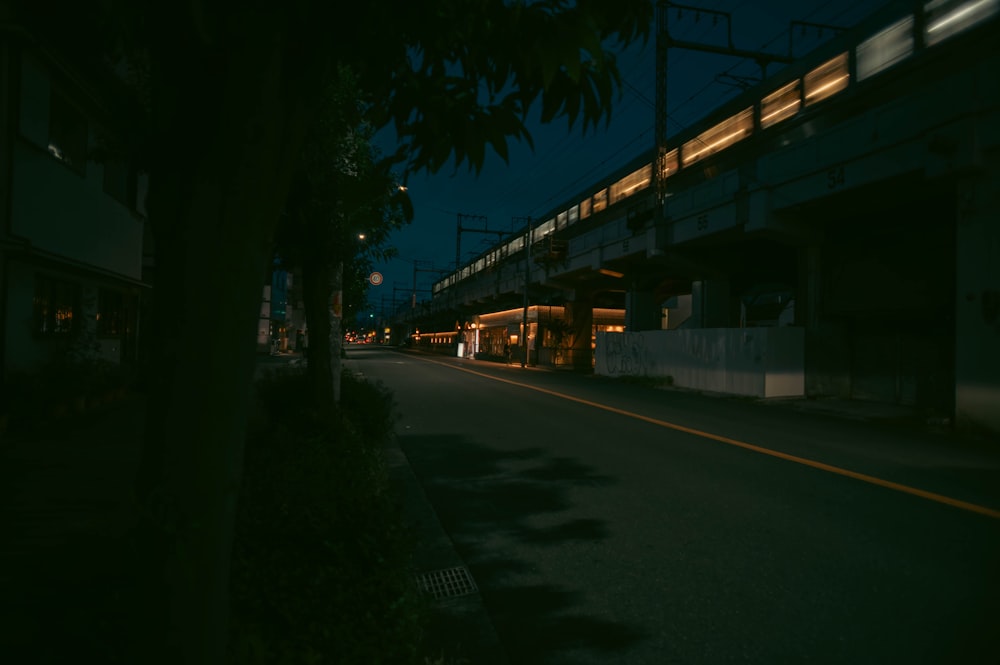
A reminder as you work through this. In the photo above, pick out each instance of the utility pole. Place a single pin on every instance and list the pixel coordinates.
(664, 42)
(416, 269)
(527, 280)
(463, 229)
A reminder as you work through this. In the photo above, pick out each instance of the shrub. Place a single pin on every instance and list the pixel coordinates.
(321, 564)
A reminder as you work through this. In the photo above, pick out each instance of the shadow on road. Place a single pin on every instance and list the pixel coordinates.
(495, 503)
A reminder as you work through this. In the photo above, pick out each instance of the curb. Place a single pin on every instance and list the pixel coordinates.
(460, 630)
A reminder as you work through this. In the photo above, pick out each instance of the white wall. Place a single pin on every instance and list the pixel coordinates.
(759, 362)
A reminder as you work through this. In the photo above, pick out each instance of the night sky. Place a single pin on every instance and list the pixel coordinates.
(566, 160)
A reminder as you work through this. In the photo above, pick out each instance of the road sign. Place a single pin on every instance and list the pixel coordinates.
(375, 278)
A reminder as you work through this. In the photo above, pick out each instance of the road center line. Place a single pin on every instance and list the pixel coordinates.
(829, 468)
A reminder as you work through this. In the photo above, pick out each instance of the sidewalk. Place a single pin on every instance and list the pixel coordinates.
(64, 517)
(461, 630)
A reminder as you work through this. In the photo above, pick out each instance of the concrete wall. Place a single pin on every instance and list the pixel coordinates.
(759, 362)
(58, 209)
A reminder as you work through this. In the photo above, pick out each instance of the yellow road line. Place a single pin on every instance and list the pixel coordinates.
(873, 480)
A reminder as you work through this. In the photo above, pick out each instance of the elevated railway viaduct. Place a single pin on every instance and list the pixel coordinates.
(845, 211)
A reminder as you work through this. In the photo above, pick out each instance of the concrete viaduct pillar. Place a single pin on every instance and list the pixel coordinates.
(977, 303)
(642, 312)
(579, 315)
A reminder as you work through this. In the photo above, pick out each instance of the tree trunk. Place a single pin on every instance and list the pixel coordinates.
(226, 132)
(317, 286)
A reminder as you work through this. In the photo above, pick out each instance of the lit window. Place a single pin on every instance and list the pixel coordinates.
(574, 214)
(585, 208)
(56, 304)
(668, 164)
(561, 220)
(781, 104)
(543, 230)
(516, 245)
(950, 17)
(600, 200)
(631, 183)
(719, 137)
(826, 80)
(885, 48)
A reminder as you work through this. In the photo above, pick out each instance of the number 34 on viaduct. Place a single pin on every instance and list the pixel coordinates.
(833, 231)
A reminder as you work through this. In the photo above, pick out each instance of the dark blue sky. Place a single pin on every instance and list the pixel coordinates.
(565, 160)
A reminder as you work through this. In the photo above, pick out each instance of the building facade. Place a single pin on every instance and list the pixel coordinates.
(72, 220)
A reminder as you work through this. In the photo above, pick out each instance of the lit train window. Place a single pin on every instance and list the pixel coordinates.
(600, 200)
(585, 208)
(543, 230)
(668, 164)
(950, 17)
(826, 80)
(574, 214)
(631, 183)
(885, 48)
(781, 104)
(515, 245)
(719, 137)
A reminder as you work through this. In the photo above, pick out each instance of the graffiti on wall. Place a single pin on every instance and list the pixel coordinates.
(625, 354)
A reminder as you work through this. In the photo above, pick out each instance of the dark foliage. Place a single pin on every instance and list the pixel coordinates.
(321, 559)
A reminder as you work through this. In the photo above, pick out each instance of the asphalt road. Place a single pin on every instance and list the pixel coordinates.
(607, 522)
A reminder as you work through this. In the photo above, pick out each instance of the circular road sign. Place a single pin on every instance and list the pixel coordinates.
(375, 278)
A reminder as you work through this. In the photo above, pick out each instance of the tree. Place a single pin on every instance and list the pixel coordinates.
(341, 191)
(231, 90)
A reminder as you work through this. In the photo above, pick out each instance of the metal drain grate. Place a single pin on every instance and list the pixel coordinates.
(447, 583)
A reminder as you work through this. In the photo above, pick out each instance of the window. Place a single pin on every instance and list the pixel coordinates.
(515, 245)
(543, 230)
(585, 208)
(574, 214)
(632, 183)
(67, 132)
(885, 49)
(780, 105)
(56, 305)
(668, 164)
(719, 137)
(827, 80)
(949, 17)
(600, 200)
